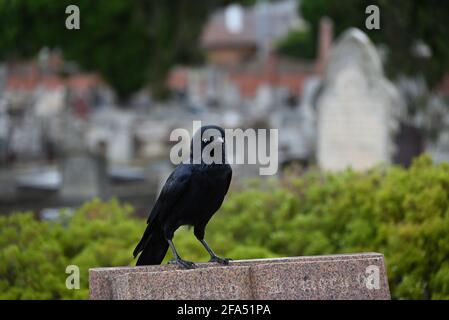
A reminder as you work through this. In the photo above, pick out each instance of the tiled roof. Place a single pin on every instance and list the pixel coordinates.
(27, 77)
(216, 34)
(261, 23)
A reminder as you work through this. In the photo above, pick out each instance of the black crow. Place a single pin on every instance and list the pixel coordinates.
(191, 195)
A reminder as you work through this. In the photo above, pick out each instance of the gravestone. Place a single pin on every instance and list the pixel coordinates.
(344, 276)
(120, 143)
(357, 108)
(4, 130)
(83, 176)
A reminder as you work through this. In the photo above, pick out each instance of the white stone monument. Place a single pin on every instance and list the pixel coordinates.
(357, 107)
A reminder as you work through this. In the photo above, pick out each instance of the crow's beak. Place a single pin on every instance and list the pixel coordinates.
(220, 140)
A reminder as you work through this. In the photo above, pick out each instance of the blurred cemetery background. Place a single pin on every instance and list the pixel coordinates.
(86, 113)
(363, 121)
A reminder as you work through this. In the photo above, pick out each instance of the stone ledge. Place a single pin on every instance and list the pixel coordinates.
(313, 277)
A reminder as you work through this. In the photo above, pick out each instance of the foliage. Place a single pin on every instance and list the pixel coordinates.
(298, 43)
(34, 254)
(130, 43)
(402, 213)
(402, 23)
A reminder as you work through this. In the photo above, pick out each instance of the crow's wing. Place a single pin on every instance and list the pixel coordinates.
(176, 184)
(174, 187)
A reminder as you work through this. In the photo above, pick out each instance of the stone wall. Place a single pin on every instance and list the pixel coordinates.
(350, 276)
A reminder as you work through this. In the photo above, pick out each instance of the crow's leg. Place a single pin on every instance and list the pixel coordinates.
(178, 260)
(199, 234)
(213, 256)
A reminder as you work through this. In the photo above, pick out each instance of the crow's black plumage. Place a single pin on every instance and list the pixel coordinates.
(190, 196)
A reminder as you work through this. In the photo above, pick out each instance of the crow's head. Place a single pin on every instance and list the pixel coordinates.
(208, 143)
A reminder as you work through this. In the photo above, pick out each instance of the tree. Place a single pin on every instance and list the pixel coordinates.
(130, 43)
(403, 24)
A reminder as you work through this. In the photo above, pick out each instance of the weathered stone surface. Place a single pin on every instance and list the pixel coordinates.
(357, 108)
(83, 176)
(348, 276)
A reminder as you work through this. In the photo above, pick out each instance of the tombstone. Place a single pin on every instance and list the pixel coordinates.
(49, 102)
(111, 131)
(264, 99)
(292, 143)
(357, 107)
(4, 131)
(358, 276)
(230, 95)
(196, 97)
(308, 113)
(120, 143)
(84, 176)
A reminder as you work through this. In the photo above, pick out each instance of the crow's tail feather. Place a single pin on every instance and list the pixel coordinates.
(143, 241)
(153, 246)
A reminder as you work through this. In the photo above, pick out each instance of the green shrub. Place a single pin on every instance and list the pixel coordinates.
(34, 254)
(402, 213)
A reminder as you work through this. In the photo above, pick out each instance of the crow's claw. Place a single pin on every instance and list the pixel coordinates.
(183, 263)
(222, 261)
